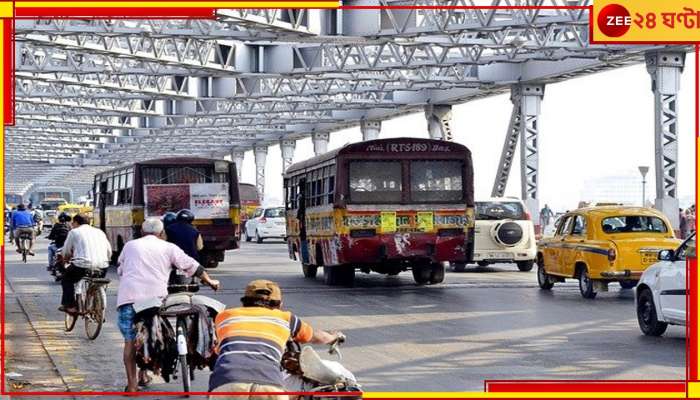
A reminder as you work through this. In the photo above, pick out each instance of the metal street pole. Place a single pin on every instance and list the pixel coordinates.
(643, 170)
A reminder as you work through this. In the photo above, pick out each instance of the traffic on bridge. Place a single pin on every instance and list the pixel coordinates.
(321, 200)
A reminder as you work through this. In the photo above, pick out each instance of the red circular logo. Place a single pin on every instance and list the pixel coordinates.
(614, 20)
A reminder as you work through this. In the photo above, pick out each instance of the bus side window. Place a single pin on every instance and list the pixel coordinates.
(331, 189)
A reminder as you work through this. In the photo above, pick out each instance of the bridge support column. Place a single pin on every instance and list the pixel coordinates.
(665, 68)
(320, 140)
(439, 118)
(529, 98)
(370, 129)
(260, 153)
(237, 156)
(287, 149)
(508, 152)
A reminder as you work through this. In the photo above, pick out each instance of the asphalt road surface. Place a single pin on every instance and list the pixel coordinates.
(491, 323)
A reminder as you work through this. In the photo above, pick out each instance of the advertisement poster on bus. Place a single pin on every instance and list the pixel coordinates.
(205, 200)
(209, 200)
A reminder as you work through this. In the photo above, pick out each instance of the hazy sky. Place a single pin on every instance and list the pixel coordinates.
(594, 126)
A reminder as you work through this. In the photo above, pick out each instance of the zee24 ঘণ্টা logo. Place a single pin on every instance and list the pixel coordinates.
(668, 21)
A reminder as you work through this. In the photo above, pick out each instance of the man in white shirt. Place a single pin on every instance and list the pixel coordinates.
(86, 249)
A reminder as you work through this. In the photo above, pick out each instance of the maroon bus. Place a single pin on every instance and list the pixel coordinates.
(386, 206)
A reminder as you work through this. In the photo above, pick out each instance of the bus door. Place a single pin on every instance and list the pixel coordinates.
(103, 206)
(301, 217)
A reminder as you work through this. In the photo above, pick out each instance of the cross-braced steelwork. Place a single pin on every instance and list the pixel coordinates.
(665, 69)
(106, 92)
(508, 152)
(529, 97)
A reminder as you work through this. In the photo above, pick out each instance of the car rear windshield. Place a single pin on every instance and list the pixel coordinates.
(274, 213)
(375, 181)
(634, 224)
(487, 210)
(436, 181)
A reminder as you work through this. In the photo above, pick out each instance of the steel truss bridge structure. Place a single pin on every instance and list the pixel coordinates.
(92, 94)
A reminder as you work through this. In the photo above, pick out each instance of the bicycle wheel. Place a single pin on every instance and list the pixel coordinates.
(182, 358)
(185, 372)
(69, 320)
(94, 313)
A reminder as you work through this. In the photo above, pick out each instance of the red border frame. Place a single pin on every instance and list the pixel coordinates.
(573, 386)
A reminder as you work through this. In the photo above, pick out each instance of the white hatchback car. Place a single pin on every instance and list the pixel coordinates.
(504, 233)
(266, 223)
(661, 292)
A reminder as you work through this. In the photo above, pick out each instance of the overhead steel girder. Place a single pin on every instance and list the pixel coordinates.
(51, 139)
(155, 86)
(174, 51)
(28, 107)
(71, 132)
(287, 24)
(42, 57)
(157, 28)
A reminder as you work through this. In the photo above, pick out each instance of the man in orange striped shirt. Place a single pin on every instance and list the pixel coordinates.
(252, 339)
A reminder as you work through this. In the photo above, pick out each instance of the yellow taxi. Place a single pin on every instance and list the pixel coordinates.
(599, 245)
(72, 210)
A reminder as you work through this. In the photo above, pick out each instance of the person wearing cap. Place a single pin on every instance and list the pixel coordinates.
(252, 339)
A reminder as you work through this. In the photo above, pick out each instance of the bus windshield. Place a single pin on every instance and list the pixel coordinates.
(375, 181)
(436, 181)
(382, 181)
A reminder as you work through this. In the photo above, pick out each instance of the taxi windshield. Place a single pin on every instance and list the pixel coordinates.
(634, 224)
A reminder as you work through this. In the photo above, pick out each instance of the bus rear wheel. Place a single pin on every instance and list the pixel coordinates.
(339, 275)
(437, 273)
(421, 274)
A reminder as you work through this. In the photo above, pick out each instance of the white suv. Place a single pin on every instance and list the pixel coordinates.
(504, 234)
(661, 292)
(266, 223)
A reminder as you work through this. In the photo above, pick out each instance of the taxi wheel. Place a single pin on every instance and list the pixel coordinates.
(247, 238)
(585, 284)
(543, 279)
(646, 315)
(258, 238)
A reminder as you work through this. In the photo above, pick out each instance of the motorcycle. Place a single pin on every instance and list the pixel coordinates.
(58, 268)
(308, 372)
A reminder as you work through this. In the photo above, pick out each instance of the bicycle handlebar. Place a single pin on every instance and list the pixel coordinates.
(187, 287)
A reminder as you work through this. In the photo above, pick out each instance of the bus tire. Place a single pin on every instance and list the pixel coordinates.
(437, 273)
(331, 276)
(421, 274)
(347, 274)
(309, 271)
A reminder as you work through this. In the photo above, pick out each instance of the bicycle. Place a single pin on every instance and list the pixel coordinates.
(91, 298)
(178, 305)
(25, 242)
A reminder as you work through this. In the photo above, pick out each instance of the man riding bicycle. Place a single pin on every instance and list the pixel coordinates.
(23, 223)
(252, 339)
(144, 268)
(85, 251)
